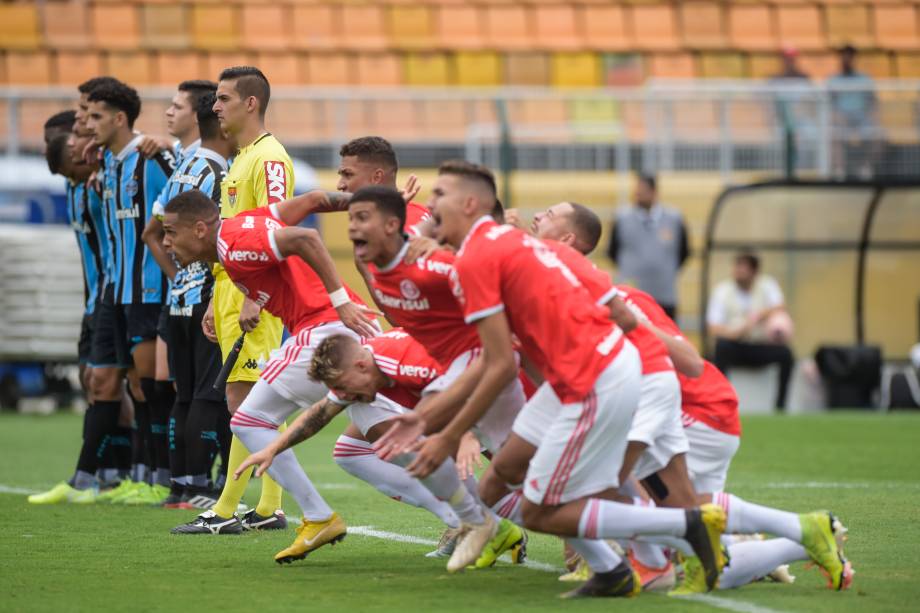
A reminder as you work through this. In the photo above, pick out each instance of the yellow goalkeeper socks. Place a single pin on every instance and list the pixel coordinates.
(270, 501)
(233, 489)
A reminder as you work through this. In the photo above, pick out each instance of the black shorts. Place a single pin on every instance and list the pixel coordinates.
(109, 341)
(140, 322)
(85, 344)
(163, 324)
(194, 361)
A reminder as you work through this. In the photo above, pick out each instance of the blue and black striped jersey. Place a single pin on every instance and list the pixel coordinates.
(132, 184)
(84, 212)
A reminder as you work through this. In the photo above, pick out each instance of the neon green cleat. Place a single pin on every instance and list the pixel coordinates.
(510, 538)
(822, 537)
(119, 490)
(694, 581)
(147, 495)
(128, 491)
(63, 492)
(582, 572)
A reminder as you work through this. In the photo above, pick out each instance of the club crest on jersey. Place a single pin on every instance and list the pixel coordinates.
(131, 187)
(409, 290)
(275, 181)
(231, 196)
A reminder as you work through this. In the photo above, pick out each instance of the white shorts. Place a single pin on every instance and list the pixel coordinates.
(493, 428)
(366, 416)
(657, 423)
(581, 447)
(710, 455)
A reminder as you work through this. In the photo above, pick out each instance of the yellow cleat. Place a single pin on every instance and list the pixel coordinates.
(694, 581)
(510, 538)
(311, 536)
(119, 490)
(822, 537)
(621, 582)
(705, 526)
(582, 572)
(63, 492)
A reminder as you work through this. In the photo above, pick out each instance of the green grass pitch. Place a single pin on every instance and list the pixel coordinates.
(865, 467)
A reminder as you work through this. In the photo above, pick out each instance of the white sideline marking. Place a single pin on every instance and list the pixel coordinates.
(336, 486)
(739, 606)
(8, 489)
(834, 485)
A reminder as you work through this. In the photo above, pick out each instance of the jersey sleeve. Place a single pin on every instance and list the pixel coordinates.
(248, 245)
(656, 314)
(210, 187)
(478, 286)
(159, 169)
(274, 181)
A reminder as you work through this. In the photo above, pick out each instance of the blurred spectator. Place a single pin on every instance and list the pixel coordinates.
(854, 109)
(649, 244)
(748, 319)
(791, 70)
(794, 105)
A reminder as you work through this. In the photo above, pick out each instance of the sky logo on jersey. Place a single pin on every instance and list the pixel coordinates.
(275, 182)
(247, 256)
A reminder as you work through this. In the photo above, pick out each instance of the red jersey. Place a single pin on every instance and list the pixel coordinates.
(709, 398)
(415, 214)
(285, 287)
(419, 298)
(654, 353)
(405, 361)
(562, 331)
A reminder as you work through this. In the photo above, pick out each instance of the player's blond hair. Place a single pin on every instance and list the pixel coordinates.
(328, 363)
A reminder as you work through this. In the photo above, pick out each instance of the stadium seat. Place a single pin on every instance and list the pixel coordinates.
(701, 25)
(329, 69)
(477, 68)
(410, 27)
(215, 62)
(819, 65)
(671, 65)
(508, 27)
(282, 69)
(74, 67)
(427, 69)
(115, 26)
(314, 26)
(401, 120)
(164, 26)
(575, 70)
(66, 24)
(695, 121)
(751, 121)
(622, 70)
(654, 27)
(527, 69)
(460, 26)
(447, 119)
(763, 65)
(848, 24)
(751, 27)
(876, 64)
(556, 28)
(133, 67)
(907, 65)
(215, 27)
(363, 27)
(27, 68)
(719, 65)
(538, 111)
(266, 27)
(800, 25)
(293, 120)
(896, 26)
(379, 69)
(19, 26)
(173, 67)
(595, 118)
(605, 28)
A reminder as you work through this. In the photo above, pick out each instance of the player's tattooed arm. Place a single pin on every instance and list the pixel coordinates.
(295, 210)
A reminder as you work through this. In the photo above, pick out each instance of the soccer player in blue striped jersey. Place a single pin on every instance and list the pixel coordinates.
(131, 184)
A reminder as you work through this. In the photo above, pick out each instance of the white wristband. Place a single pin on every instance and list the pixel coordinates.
(339, 297)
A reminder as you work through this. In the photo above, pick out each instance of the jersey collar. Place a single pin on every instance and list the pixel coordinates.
(399, 258)
(210, 154)
(482, 220)
(131, 146)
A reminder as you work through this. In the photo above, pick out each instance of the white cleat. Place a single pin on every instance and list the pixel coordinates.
(473, 539)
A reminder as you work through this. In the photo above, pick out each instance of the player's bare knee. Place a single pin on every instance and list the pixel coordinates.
(509, 472)
(534, 516)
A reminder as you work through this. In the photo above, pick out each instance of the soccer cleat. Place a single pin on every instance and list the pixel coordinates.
(121, 489)
(581, 572)
(622, 582)
(509, 537)
(129, 491)
(173, 501)
(151, 495)
(694, 581)
(473, 539)
(311, 536)
(200, 498)
(446, 544)
(705, 526)
(654, 579)
(822, 537)
(210, 522)
(64, 492)
(253, 521)
(781, 574)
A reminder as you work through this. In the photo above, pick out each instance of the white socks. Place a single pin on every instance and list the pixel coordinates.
(509, 507)
(445, 485)
(286, 471)
(601, 558)
(357, 458)
(606, 519)
(752, 560)
(747, 518)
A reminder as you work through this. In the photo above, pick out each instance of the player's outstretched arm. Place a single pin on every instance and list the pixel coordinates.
(153, 238)
(686, 358)
(295, 210)
(305, 426)
(306, 244)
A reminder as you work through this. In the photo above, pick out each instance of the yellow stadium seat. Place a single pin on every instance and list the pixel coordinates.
(215, 27)
(410, 27)
(819, 65)
(907, 65)
(74, 67)
(19, 27)
(701, 25)
(427, 69)
(215, 62)
(751, 27)
(594, 111)
(379, 69)
(575, 70)
(115, 26)
(508, 27)
(527, 69)
(556, 27)
(66, 24)
(763, 65)
(132, 67)
(266, 27)
(722, 66)
(848, 24)
(605, 28)
(173, 67)
(654, 27)
(477, 68)
(671, 65)
(800, 25)
(363, 27)
(460, 26)
(315, 26)
(165, 26)
(896, 26)
(281, 68)
(329, 69)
